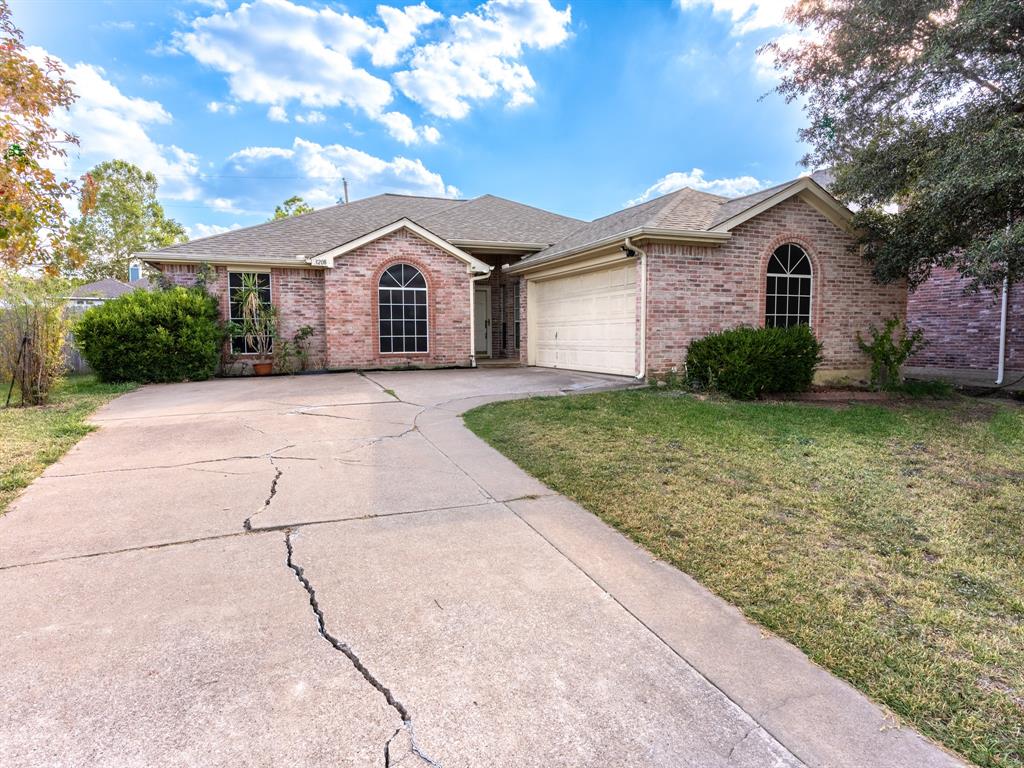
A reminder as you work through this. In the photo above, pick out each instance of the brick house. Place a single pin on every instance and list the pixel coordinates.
(396, 281)
(963, 330)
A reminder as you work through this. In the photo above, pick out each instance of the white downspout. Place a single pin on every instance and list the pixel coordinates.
(1002, 333)
(472, 317)
(642, 277)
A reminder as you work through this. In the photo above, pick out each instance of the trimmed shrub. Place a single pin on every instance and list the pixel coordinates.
(144, 336)
(748, 362)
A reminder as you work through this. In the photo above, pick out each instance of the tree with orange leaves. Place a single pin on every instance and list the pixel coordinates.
(33, 218)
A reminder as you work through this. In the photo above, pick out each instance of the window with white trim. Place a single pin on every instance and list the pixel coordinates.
(402, 310)
(788, 287)
(239, 345)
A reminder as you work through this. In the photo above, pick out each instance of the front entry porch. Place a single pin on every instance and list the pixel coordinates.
(496, 319)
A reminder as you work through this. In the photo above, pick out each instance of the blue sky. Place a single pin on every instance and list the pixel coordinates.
(579, 108)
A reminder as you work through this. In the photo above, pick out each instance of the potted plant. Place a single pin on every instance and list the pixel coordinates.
(259, 325)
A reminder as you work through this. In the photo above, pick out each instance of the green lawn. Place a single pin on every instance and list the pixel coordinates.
(886, 542)
(33, 438)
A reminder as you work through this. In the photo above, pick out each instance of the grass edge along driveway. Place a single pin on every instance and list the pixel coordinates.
(887, 542)
(33, 437)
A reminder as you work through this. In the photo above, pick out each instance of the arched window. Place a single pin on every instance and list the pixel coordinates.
(788, 290)
(402, 306)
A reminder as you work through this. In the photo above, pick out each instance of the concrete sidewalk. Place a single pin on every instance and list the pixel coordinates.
(331, 570)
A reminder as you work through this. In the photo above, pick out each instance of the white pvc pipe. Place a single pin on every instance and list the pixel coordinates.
(1002, 333)
(642, 277)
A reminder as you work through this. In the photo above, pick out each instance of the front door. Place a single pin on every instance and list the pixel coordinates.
(482, 320)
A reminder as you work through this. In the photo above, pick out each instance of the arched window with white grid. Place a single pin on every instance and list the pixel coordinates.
(789, 287)
(402, 310)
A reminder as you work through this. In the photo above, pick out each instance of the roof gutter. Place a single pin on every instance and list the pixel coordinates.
(697, 237)
(496, 246)
(296, 262)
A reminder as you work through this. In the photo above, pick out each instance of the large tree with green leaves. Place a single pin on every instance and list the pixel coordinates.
(918, 105)
(33, 218)
(293, 206)
(126, 219)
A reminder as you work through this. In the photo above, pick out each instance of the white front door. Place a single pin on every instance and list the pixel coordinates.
(482, 320)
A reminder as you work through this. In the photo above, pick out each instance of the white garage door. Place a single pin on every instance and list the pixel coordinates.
(586, 322)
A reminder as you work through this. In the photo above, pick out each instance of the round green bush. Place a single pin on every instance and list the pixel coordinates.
(748, 362)
(149, 336)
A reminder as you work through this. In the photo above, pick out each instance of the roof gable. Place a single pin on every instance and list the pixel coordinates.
(326, 259)
(735, 212)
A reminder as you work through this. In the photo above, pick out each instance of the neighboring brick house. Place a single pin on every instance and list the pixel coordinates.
(962, 328)
(397, 281)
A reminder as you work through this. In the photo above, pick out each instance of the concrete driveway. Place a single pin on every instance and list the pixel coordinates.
(331, 570)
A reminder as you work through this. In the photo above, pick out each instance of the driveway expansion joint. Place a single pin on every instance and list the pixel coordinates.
(360, 667)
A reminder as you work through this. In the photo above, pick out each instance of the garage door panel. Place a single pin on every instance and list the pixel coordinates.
(587, 321)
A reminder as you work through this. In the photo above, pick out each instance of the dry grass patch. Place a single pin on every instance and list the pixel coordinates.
(886, 542)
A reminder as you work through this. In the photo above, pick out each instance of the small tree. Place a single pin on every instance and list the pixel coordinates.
(126, 219)
(888, 351)
(33, 330)
(293, 206)
(33, 220)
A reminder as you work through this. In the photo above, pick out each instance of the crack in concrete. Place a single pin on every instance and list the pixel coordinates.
(741, 739)
(294, 525)
(311, 412)
(247, 524)
(357, 663)
(185, 464)
(104, 420)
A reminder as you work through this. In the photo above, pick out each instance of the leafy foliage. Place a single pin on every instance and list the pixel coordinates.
(259, 319)
(145, 336)
(293, 206)
(748, 362)
(126, 219)
(33, 222)
(33, 330)
(918, 103)
(888, 351)
(292, 355)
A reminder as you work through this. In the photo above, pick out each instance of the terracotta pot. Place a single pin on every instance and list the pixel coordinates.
(262, 369)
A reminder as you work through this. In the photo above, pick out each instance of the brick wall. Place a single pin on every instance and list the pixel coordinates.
(341, 303)
(693, 291)
(350, 302)
(962, 328)
(298, 295)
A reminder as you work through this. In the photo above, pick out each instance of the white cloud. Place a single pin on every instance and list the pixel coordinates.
(736, 186)
(319, 170)
(223, 205)
(312, 117)
(479, 57)
(401, 129)
(208, 230)
(745, 15)
(220, 106)
(110, 124)
(275, 52)
(277, 114)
